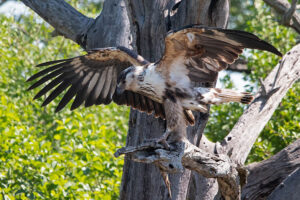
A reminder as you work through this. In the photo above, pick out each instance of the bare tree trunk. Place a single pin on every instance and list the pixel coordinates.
(151, 20)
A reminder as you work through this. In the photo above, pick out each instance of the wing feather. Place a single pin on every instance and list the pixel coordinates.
(89, 101)
(204, 51)
(91, 78)
(106, 88)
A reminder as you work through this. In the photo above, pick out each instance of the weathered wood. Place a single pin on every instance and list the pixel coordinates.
(282, 7)
(265, 176)
(186, 155)
(289, 188)
(151, 20)
(111, 28)
(238, 143)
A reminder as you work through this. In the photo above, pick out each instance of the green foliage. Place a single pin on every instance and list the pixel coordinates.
(68, 155)
(284, 126)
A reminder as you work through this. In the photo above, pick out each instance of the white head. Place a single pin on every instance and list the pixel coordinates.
(130, 79)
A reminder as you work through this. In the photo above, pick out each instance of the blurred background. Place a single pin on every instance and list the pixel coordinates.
(70, 154)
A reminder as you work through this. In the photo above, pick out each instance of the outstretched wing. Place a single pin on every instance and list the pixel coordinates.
(91, 78)
(204, 51)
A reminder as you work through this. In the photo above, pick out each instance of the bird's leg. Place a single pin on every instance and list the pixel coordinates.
(162, 140)
(176, 125)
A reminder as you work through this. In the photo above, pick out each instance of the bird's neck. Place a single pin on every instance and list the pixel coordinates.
(153, 83)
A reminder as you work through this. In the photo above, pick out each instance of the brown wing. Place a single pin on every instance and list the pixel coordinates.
(204, 51)
(144, 104)
(91, 78)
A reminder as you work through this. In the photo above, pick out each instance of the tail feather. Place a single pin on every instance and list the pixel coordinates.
(227, 95)
(189, 117)
(247, 98)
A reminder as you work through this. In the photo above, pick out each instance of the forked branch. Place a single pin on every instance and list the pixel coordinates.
(186, 155)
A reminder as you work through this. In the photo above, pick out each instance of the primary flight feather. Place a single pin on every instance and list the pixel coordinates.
(170, 88)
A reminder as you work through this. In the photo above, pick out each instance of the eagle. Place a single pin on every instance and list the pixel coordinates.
(181, 81)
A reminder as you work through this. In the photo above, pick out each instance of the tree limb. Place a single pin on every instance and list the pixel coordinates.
(186, 155)
(66, 20)
(265, 176)
(286, 19)
(238, 143)
(290, 17)
(289, 188)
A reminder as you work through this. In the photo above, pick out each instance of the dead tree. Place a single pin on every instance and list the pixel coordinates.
(142, 26)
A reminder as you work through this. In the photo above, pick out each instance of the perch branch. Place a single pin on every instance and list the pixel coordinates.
(187, 155)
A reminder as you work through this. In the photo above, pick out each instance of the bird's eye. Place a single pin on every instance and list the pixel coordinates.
(124, 82)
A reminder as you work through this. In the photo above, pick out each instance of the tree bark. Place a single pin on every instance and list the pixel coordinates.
(289, 188)
(265, 176)
(151, 20)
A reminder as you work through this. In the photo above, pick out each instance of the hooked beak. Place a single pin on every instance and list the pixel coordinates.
(120, 90)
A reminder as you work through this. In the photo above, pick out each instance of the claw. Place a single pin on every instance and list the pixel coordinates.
(162, 140)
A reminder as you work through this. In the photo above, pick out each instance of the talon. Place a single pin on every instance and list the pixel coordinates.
(157, 141)
(165, 143)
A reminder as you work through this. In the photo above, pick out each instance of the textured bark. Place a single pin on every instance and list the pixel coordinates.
(265, 176)
(186, 155)
(289, 188)
(282, 7)
(151, 21)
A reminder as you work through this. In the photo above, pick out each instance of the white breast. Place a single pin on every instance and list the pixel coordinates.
(179, 75)
(155, 80)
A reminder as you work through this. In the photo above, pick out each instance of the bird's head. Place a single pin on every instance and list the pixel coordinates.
(130, 79)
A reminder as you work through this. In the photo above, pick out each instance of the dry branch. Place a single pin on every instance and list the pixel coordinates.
(66, 20)
(290, 16)
(186, 155)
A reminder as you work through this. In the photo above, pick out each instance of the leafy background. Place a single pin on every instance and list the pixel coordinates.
(69, 155)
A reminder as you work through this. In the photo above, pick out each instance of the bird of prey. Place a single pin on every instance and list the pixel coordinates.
(181, 81)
